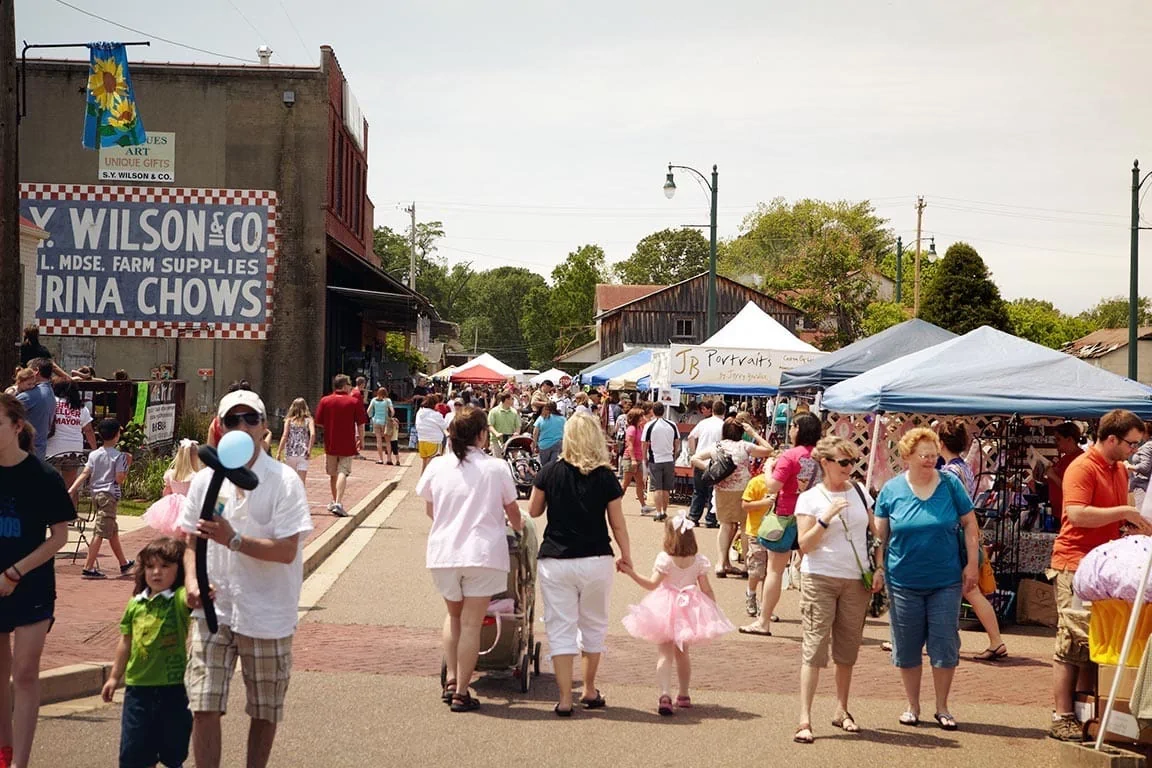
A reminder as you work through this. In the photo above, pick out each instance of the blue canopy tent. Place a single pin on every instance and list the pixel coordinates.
(615, 366)
(986, 371)
(864, 355)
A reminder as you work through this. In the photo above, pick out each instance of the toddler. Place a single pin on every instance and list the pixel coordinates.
(107, 468)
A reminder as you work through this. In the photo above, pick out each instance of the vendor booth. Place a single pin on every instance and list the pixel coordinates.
(1014, 393)
(477, 374)
(489, 362)
(558, 378)
(605, 370)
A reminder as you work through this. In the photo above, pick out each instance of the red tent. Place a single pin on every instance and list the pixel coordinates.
(478, 374)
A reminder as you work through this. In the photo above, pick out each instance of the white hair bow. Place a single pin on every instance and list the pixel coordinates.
(187, 443)
(682, 524)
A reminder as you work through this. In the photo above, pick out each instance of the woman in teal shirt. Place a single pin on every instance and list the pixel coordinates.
(548, 433)
(918, 515)
(380, 412)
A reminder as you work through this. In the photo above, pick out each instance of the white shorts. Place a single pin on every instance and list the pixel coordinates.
(455, 584)
(298, 463)
(576, 594)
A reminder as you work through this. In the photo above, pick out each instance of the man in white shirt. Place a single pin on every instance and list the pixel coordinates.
(705, 435)
(661, 439)
(256, 568)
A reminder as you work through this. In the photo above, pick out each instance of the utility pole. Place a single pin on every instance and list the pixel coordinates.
(919, 221)
(10, 296)
(412, 247)
(899, 270)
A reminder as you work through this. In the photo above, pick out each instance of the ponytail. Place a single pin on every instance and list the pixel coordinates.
(465, 430)
(26, 437)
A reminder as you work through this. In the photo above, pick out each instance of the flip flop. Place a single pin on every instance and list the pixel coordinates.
(992, 654)
(748, 629)
(562, 712)
(800, 739)
(946, 721)
(910, 718)
(846, 723)
(596, 703)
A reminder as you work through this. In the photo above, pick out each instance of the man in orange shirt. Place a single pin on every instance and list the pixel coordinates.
(1095, 504)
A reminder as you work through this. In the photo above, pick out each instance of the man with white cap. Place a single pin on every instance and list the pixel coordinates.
(256, 569)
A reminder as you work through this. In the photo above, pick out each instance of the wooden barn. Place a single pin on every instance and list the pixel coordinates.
(654, 315)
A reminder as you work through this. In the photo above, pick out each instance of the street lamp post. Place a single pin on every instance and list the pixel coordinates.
(1133, 287)
(669, 191)
(900, 264)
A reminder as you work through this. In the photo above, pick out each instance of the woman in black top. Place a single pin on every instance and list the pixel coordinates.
(30, 347)
(582, 497)
(33, 499)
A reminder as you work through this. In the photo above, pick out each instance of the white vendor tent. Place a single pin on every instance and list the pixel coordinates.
(753, 328)
(553, 375)
(444, 374)
(488, 362)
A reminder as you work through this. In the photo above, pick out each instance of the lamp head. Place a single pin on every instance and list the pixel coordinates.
(669, 185)
(932, 256)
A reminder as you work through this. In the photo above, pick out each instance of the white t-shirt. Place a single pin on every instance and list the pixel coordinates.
(468, 499)
(584, 410)
(430, 426)
(707, 433)
(662, 434)
(834, 555)
(738, 450)
(69, 436)
(254, 597)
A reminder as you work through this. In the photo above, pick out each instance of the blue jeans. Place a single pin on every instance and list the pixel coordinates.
(155, 726)
(701, 500)
(550, 454)
(920, 617)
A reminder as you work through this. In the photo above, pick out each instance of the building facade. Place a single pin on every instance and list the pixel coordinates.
(236, 244)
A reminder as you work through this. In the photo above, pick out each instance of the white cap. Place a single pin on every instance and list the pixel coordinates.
(240, 397)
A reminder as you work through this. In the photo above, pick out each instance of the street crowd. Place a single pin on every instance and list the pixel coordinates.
(773, 485)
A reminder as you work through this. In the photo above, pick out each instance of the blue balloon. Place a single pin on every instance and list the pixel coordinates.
(235, 449)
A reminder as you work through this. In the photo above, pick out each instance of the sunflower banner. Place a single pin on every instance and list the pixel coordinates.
(110, 118)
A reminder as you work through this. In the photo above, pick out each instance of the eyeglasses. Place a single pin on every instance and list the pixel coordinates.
(842, 462)
(251, 418)
(1132, 443)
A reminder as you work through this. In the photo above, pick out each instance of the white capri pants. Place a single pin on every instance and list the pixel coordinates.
(576, 595)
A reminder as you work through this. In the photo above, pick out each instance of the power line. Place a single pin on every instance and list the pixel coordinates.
(248, 21)
(1024, 207)
(307, 50)
(149, 34)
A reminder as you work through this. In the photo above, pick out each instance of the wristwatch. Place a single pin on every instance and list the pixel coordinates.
(236, 541)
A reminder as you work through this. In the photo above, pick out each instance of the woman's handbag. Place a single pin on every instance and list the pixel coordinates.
(777, 534)
(721, 466)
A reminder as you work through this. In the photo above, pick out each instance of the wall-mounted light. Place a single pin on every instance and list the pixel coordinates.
(289, 98)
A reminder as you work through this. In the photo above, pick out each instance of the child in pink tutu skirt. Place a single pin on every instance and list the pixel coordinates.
(163, 514)
(679, 611)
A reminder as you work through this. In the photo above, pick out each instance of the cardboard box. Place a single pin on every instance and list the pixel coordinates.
(1121, 724)
(1036, 603)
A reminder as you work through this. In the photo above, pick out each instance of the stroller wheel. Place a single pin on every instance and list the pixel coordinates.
(525, 672)
(536, 660)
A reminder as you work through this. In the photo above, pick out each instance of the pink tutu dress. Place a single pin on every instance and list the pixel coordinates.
(677, 611)
(164, 513)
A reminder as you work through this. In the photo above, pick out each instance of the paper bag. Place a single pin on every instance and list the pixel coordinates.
(1036, 603)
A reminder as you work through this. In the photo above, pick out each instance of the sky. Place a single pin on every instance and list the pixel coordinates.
(530, 128)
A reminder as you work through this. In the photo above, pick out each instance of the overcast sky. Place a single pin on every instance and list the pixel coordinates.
(533, 127)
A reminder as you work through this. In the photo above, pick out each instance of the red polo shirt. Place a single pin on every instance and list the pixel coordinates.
(1091, 481)
(338, 415)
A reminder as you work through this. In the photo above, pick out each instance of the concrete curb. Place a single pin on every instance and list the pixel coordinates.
(77, 681)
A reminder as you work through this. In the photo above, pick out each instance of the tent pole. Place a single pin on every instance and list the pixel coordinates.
(876, 418)
(1124, 649)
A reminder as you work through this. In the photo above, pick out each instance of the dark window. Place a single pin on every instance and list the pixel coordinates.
(685, 328)
(338, 184)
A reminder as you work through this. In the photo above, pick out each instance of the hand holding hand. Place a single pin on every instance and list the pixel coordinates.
(877, 582)
(624, 566)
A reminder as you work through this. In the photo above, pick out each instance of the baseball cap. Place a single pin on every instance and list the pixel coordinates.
(240, 397)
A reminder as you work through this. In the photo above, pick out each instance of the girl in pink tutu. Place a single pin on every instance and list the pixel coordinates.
(163, 514)
(679, 611)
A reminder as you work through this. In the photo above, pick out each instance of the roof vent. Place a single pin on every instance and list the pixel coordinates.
(265, 54)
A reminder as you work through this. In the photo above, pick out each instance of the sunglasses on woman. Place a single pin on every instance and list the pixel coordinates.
(842, 462)
(232, 420)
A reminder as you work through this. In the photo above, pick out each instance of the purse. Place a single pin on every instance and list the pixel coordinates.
(776, 533)
(719, 468)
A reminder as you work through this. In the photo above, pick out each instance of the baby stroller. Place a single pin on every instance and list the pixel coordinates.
(520, 453)
(507, 639)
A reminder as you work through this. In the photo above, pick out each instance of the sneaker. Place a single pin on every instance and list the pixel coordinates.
(331, 505)
(712, 524)
(646, 509)
(659, 518)
(1066, 728)
(127, 567)
(339, 511)
(93, 573)
(750, 605)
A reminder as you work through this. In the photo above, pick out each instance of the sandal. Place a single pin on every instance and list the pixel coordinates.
(596, 703)
(562, 712)
(664, 706)
(947, 722)
(992, 654)
(721, 574)
(684, 702)
(803, 734)
(846, 722)
(752, 629)
(886, 646)
(910, 718)
(463, 702)
(449, 689)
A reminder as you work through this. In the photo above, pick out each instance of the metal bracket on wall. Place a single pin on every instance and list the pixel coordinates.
(24, 62)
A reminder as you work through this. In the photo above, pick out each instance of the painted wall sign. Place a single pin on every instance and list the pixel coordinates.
(153, 261)
(154, 160)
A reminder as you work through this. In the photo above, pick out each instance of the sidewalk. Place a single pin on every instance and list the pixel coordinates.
(88, 612)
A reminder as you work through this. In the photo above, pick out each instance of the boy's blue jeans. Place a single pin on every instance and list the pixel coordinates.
(155, 726)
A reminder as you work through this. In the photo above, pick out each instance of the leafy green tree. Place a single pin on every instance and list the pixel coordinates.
(881, 315)
(538, 328)
(1041, 322)
(962, 296)
(573, 297)
(1113, 313)
(394, 349)
(497, 309)
(665, 257)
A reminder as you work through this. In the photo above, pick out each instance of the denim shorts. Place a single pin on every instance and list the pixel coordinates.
(920, 617)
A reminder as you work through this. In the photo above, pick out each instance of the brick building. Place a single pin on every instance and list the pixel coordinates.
(238, 241)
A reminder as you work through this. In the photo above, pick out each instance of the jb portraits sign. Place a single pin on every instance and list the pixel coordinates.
(139, 261)
(721, 366)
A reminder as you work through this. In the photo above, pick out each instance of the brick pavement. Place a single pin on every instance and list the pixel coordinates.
(88, 612)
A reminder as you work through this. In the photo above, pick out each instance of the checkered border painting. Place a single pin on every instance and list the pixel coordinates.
(173, 196)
